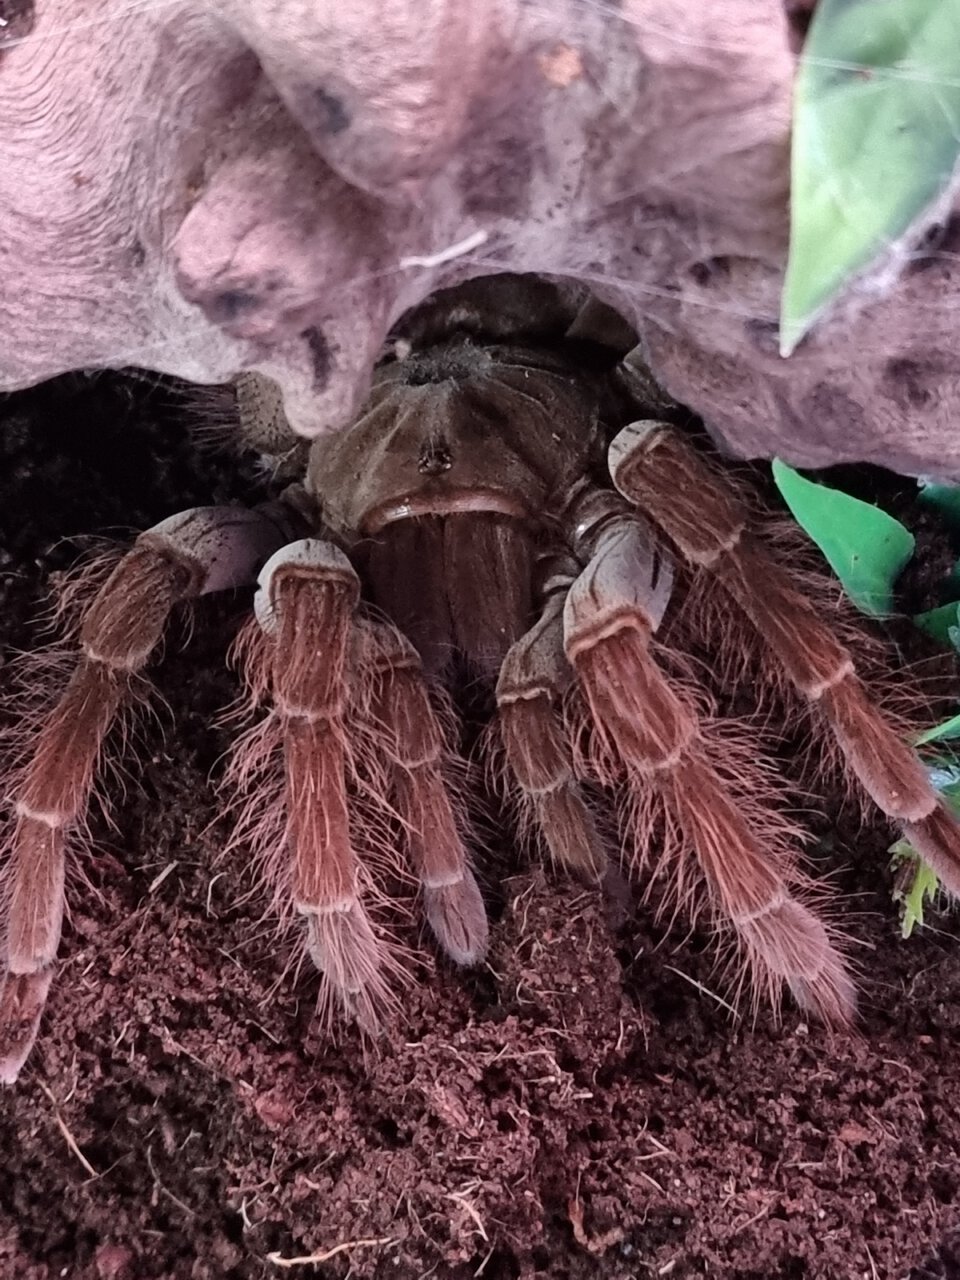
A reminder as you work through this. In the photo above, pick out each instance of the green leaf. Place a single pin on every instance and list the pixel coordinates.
(876, 134)
(864, 546)
(914, 885)
(943, 732)
(941, 623)
(945, 499)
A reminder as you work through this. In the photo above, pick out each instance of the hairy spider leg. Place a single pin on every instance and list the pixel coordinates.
(655, 740)
(655, 468)
(306, 603)
(411, 737)
(534, 680)
(198, 551)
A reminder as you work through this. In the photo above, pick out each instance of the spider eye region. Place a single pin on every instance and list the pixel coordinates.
(435, 457)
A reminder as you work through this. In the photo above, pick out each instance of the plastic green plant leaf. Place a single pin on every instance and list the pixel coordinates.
(914, 886)
(946, 731)
(865, 547)
(945, 499)
(915, 883)
(876, 134)
(942, 624)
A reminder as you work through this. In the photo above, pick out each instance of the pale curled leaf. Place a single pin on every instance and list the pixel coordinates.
(915, 885)
(876, 134)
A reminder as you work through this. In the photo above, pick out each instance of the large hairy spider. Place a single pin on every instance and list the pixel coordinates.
(488, 510)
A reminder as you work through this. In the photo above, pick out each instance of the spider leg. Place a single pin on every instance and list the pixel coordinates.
(306, 602)
(412, 739)
(534, 678)
(198, 551)
(655, 737)
(655, 468)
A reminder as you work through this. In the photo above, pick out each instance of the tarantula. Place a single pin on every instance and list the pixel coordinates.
(489, 507)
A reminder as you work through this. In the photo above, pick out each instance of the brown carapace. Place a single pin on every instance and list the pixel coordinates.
(506, 505)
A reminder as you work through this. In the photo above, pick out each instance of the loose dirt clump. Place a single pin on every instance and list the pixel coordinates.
(585, 1106)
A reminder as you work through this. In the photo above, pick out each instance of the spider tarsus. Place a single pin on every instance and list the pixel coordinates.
(356, 966)
(22, 1000)
(792, 945)
(570, 831)
(458, 918)
(540, 760)
(832, 998)
(749, 875)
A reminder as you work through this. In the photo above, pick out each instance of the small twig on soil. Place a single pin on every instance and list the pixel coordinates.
(762, 1213)
(465, 1204)
(157, 881)
(310, 1259)
(179, 1203)
(218, 876)
(483, 1265)
(653, 1182)
(68, 1136)
(704, 990)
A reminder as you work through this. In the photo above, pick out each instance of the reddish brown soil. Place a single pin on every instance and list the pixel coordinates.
(581, 1108)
